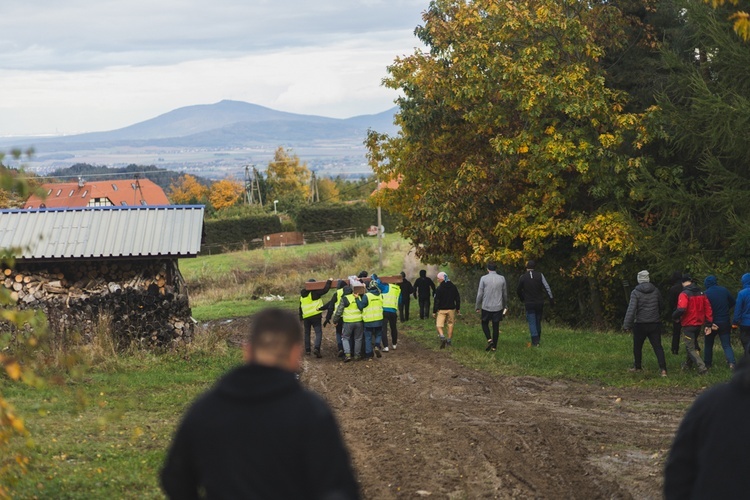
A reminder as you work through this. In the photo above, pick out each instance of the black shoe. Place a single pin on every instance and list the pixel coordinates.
(443, 341)
(377, 351)
(489, 346)
(341, 353)
(317, 353)
(307, 351)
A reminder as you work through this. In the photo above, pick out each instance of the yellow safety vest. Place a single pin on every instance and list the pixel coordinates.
(309, 306)
(374, 310)
(390, 299)
(352, 314)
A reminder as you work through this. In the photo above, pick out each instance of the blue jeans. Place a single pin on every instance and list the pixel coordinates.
(724, 333)
(534, 317)
(372, 333)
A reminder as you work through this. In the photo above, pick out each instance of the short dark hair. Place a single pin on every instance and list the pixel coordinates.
(491, 266)
(274, 329)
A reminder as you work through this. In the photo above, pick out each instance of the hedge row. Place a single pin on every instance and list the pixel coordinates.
(231, 234)
(360, 216)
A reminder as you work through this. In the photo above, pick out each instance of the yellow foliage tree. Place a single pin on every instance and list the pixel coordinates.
(187, 190)
(288, 178)
(740, 16)
(225, 193)
(328, 190)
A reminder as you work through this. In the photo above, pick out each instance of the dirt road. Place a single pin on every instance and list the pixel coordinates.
(420, 425)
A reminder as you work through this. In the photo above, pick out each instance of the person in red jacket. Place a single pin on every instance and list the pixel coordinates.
(696, 317)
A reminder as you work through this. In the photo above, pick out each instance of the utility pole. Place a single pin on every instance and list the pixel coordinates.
(252, 185)
(314, 193)
(380, 233)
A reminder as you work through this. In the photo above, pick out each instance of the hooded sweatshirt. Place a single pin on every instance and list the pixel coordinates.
(644, 307)
(708, 458)
(244, 438)
(742, 307)
(720, 298)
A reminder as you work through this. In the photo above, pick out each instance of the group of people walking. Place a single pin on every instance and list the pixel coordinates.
(695, 314)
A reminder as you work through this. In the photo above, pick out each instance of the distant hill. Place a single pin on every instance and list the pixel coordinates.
(215, 140)
(220, 125)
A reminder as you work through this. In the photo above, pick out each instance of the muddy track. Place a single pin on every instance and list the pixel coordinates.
(418, 424)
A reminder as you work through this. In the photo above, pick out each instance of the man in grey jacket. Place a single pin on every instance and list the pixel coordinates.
(492, 300)
(644, 318)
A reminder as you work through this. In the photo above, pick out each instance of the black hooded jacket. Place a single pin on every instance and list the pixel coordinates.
(711, 450)
(258, 434)
(424, 287)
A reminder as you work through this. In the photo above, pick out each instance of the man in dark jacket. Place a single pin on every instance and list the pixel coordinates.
(644, 318)
(674, 292)
(741, 316)
(532, 289)
(447, 305)
(406, 292)
(330, 308)
(696, 317)
(310, 312)
(721, 302)
(711, 450)
(424, 288)
(258, 433)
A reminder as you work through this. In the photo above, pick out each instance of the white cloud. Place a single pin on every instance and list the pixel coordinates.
(83, 65)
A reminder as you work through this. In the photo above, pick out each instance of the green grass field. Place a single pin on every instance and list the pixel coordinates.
(105, 434)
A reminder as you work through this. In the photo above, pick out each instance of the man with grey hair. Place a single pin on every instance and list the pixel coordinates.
(258, 433)
(644, 318)
(492, 300)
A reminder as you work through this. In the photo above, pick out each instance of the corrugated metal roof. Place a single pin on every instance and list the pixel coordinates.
(100, 232)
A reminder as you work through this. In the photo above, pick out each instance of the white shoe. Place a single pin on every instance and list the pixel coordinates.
(385, 349)
(394, 347)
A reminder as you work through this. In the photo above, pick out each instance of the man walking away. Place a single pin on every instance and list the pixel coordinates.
(447, 305)
(406, 292)
(492, 300)
(711, 450)
(674, 293)
(371, 305)
(644, 318)
(391, 294)
(424, 288)
(532, 289)
(742, 313)
(721, 302)
(353, 330)
(310, 312)
(258, 433)
(330, 307)
(696, 317)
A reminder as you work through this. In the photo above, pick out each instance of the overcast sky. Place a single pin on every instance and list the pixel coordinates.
(70, 66)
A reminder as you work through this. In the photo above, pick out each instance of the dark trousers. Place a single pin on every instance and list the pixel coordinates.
(389, 319)
(339, 338)
(676, 337)
(314, 322)
(534, 318)
(424, 307)
(495, 317)
(403, 308)
(745, 338)
(652, 332)
(724, 333)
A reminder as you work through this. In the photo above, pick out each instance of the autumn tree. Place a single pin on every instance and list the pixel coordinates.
(225, 193)
(512, 146)
(328, 190)
(187, 190)
(287, 178)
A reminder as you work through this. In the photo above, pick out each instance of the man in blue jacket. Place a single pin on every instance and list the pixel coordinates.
(742, 313)
(721, 302)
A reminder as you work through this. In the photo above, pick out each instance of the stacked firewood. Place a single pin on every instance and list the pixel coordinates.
(143, 302)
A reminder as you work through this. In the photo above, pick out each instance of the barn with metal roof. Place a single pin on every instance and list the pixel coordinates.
(118, 265)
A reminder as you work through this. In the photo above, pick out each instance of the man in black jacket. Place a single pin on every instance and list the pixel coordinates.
(258, 433)
(406, 292)
(424, 288)
(644, 318)
(711, 450)
(532, 289)
(447, 305)
(674, 292)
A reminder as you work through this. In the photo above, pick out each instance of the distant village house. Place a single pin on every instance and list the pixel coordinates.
(118, 193)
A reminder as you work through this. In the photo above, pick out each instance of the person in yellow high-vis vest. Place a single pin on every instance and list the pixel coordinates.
(310, 312)
(331, 308)
(371, 305)
(351, 315)
(391, 300)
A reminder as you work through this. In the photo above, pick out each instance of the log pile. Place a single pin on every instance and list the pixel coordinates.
(142, 302)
